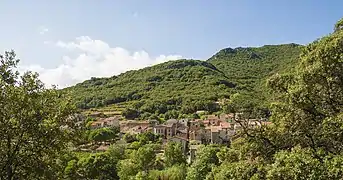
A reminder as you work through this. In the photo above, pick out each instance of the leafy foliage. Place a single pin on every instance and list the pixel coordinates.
(176, 172)
(141, 160)
(247, 66)
(250, 67)
(174, 155)
(185, 86)
(297, 164)
(310, 107)
(36, 124)
(305, 140)
(206, 159)
(102, 134)
(95, 166)
(157, 89)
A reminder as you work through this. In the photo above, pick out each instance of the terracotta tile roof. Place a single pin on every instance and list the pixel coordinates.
(225, 125)
(212, 117)
(267, 123)
(214, 128)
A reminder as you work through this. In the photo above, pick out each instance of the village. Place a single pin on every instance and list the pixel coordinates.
(190, 133)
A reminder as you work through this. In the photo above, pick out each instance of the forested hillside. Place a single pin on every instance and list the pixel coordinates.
(185, 86)
(249, 66)
(45, 137)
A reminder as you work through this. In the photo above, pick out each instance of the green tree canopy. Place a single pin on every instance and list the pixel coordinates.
(309, 111)
(173, 154)
(95, 166)
(306, 139)
(103, 134)
(36, 124)
(206, 159)
(339, 25)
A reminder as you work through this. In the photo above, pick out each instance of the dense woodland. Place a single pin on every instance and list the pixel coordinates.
(39, 136)
(180, 88)
(184, 85)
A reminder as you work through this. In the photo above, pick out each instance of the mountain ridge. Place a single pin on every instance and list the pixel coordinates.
(186, 85)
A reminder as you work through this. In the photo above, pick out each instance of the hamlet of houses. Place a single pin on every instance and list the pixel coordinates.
(214, 129)
(190, 133)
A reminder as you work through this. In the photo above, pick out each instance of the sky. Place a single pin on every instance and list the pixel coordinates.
(68, 42)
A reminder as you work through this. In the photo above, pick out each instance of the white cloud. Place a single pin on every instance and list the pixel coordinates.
(85, 44)
(95, 58)
(47, 42)
(43, 30)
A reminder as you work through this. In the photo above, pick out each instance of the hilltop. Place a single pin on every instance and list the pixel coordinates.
(182, 85)
(185, 86)
(248, 66)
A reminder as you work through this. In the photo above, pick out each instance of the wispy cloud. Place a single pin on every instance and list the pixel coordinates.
(94, 58)
(43, 30)
(47, 42)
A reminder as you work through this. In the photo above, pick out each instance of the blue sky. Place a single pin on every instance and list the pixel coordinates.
(61, 37)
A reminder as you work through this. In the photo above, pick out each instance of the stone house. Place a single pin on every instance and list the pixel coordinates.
(212, 122)
(160, 130)
(215, 135)
(169, 128)
(184, 133)
(134, 123)
(135, 127)
(182, 141)
(139, 129)
(227, 117)
(106, 122)
(195, 124)
(197, 135)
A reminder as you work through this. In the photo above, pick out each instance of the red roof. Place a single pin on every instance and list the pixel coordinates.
(267, 123)
(225, 125)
